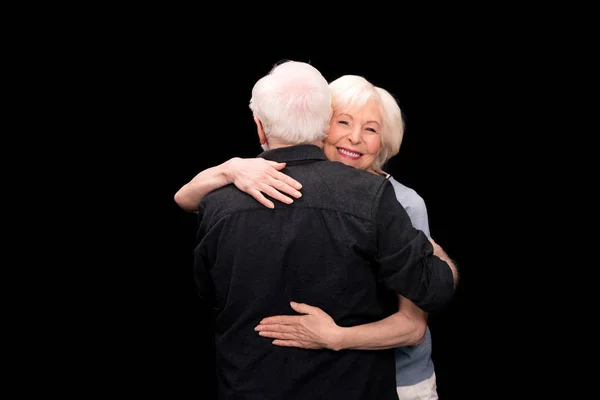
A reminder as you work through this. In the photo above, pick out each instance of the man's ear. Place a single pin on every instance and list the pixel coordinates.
(261, 132)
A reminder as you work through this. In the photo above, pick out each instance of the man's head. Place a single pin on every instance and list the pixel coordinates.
(291, 105)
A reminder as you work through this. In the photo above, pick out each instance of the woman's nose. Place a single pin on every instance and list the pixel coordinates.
(355, 136)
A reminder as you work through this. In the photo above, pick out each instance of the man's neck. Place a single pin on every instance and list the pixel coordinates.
(276, 145)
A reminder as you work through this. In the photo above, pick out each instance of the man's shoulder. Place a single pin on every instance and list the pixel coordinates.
(224, 200)
(353, 190)
(341, 171)
(219, 194)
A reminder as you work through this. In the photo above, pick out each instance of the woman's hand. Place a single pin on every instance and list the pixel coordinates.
(315, 329)
(256, 176)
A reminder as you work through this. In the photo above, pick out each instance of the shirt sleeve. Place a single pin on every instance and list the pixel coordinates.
(417, 211)
(405, 260)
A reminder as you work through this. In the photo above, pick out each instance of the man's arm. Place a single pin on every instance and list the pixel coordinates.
(409, 263)
(416, 209)
(254, 176)
(441, 253)
(315, 329)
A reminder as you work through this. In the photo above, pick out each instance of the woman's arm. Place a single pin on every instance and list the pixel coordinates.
(315, 329)
(254, 176)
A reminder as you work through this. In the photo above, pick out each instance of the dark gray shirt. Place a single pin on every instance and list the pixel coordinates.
(346, 246)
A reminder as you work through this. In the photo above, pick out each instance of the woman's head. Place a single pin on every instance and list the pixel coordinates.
(366, 128)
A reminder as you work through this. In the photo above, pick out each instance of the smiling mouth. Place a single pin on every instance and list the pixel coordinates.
(349, 154)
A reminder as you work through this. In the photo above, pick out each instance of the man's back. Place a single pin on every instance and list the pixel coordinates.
(321, 250)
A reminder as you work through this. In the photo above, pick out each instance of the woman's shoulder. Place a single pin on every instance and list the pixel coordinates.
(403, 191)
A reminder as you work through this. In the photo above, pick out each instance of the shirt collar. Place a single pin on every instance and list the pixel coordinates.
(300, 152)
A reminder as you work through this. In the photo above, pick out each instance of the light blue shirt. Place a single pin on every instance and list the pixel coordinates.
(413, 363)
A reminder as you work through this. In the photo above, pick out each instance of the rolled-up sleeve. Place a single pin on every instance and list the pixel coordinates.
(406, 263)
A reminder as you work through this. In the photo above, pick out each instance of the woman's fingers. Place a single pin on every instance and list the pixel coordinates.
(281, 320)
(280, 335)
(261, 198)
(280, 176)
(275, 193)
(294, 343)
(293, 184)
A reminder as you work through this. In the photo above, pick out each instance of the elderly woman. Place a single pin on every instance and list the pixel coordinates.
(366, 130)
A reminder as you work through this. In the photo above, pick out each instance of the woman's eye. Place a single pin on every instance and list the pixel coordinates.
(371, 129)
(343, 122)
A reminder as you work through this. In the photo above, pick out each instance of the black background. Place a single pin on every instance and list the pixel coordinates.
(133, 101)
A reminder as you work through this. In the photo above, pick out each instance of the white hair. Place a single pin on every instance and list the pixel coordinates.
(351, 92)
(293, 103)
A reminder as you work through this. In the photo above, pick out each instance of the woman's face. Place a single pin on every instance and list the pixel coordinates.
(353, 137)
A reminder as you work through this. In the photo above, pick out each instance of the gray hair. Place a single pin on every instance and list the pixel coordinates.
(352, 92)
(293, 103)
